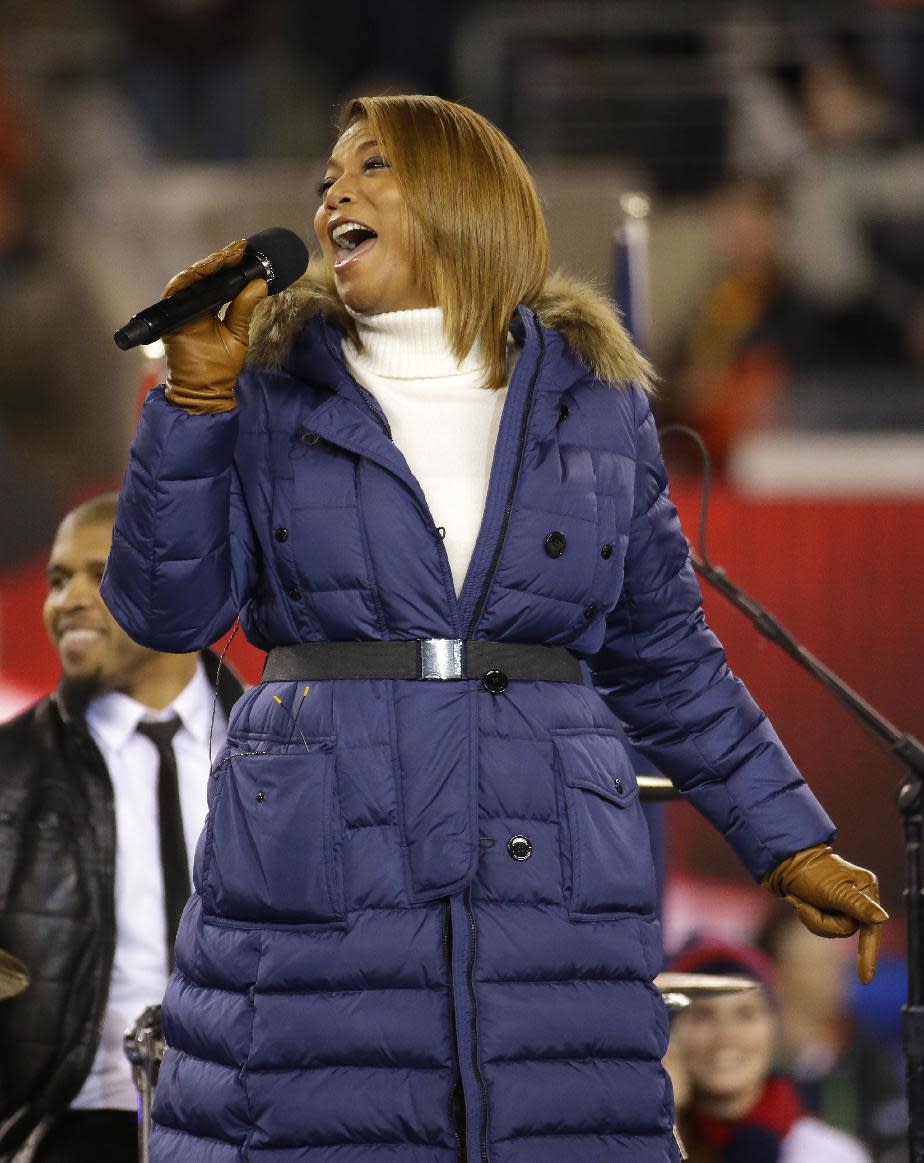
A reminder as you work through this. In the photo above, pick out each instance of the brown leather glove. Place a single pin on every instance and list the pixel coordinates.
(205, 356)
(833, 899)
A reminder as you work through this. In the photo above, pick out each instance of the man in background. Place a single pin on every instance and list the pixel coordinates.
(102, 798)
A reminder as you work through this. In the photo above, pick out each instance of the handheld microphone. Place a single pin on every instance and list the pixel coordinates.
(277, 255)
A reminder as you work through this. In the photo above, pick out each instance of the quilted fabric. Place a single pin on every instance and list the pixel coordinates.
(364, 973)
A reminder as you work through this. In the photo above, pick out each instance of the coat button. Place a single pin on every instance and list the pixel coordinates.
(519, 847)
(555, 544)
(606, 552)
(562, 412)
(294, 593)
(307, 437)
(617, 785)
(281, 534)
(590, 611)
(494, 681)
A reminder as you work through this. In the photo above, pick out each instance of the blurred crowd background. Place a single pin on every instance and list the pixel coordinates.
(780, 151)
(780, 145)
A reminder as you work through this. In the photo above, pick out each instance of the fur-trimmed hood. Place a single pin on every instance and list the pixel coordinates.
(587, 319)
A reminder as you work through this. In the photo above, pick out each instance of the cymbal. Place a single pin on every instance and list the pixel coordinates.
(13, 975)
(680, 989)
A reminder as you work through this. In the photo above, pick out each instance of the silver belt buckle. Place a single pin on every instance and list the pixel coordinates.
(440, 658)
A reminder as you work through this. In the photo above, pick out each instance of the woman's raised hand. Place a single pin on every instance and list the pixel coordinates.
(205, 356)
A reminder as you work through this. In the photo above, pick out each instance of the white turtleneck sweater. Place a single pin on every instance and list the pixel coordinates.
(441, 416)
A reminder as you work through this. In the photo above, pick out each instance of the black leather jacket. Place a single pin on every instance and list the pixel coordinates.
(57, 877)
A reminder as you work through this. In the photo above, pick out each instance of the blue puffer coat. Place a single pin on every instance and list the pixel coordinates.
(364, 975)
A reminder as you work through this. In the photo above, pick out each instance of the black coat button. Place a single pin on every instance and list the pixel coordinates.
(606, 552)
(494, 681)
(281, 534)
(617, 784)
(307, 437)
(519, 847)
(294, 593)
(590, 611)
(555, 544)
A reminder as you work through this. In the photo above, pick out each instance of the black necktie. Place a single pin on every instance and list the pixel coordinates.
(173, 857)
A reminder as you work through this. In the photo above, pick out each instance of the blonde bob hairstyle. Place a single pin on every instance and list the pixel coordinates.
(478, 239)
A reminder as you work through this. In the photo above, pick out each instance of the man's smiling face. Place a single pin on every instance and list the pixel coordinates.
(92, 646)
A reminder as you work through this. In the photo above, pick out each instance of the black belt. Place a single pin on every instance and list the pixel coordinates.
(494, 663)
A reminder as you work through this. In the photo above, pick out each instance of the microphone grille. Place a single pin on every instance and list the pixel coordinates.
(283, 252)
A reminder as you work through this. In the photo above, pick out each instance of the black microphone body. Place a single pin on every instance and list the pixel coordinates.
(277, 255)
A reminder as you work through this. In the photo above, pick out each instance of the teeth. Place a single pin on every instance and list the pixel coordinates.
(79, 634)
(342, 234)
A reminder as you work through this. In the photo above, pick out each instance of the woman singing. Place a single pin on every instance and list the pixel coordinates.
(423, 927)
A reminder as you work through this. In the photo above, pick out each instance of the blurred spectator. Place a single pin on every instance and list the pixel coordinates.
(57, 385)
(731, 370)
(91, 817)
(15, 157)
(731, 1107)
(56, 396)
(191, 76)
(853, 193)
(845, 1073)
(834, 133)
(379, 46)
(898, 41)
(29, 490)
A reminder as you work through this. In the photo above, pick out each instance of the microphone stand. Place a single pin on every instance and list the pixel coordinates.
(909, 753)
(143, 1044)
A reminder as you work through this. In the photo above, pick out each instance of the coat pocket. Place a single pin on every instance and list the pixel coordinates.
(273, 839)
(607, 850)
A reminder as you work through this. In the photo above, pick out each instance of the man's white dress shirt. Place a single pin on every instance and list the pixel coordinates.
(139, 971)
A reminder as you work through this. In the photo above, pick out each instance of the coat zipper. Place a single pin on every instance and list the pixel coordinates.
(483, 1134)
(382, 421)
(476, 614)
(366, 398)
(109, 920)
(455, 1088)
(508, 508)
(88, 750)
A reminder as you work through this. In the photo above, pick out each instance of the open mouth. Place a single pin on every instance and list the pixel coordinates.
(350, 239)
(78, 643)
(78, 636)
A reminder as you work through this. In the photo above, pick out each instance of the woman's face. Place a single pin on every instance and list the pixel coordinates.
(727, 1044)
(361, 226)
